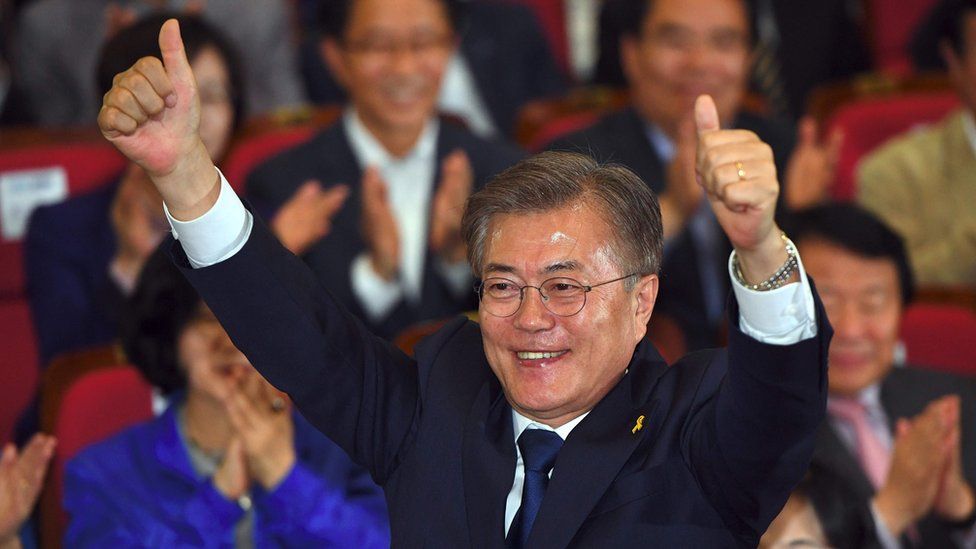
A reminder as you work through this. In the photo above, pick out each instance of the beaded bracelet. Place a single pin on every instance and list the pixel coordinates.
(779, 278)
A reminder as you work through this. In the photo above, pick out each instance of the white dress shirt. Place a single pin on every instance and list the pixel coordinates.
(410, 182)
(779, 317)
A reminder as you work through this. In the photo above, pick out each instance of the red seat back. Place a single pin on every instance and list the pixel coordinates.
(18, 363)
(868, 123)
(942, 337)
(85, 166)
(96, 406)
(250, 152)
(891, 24)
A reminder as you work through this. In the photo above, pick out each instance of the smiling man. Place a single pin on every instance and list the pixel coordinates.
(553, 422)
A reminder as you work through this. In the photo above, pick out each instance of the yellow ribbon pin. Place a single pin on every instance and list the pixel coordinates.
(638, 426)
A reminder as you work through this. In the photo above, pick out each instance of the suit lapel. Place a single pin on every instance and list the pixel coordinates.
(596, 451)
(833, 455)
(488, 465)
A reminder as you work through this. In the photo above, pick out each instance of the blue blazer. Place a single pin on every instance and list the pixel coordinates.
(328, 157)
(138, 489)
(727, 433)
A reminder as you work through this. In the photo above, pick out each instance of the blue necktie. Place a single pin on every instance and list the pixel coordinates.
(539, 448)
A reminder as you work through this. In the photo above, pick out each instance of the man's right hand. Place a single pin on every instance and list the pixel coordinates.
(152, 115)
(683, 194)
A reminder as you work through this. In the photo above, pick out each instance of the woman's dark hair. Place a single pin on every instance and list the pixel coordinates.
(142, 40)
(153, 318)
(858, 231)
(945, 22)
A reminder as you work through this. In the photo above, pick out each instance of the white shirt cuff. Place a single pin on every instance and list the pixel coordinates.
(217, 234)
(377, 296)
(783, 316)
(456, 275)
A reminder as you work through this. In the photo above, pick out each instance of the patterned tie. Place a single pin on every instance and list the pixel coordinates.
(874, 456)
(767, 72)
(539, 448)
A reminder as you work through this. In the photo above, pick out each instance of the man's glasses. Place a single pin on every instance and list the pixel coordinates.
(561, 296)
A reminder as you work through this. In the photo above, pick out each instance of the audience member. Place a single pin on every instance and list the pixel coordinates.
(394, 255)
(501, 62)
(58, 44)
(923, 183)
(901, 439)
(228, 464)
(83, 255)
(799, 46)
(21, 478)
(671, 51)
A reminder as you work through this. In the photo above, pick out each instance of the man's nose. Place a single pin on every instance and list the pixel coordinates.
(847, 321)
(533, 314)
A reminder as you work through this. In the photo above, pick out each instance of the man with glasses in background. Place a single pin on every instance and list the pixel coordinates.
(553, 422)
(394, 255)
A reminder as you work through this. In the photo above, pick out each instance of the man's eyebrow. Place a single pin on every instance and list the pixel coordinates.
(498, 268)
(569, 265)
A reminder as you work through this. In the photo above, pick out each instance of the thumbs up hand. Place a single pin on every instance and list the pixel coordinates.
(737, 172)
(152, 115)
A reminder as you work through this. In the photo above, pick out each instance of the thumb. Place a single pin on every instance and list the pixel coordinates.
(807, 132)
(706, 114)
(174, 54)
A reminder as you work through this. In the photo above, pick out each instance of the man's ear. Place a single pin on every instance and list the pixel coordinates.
(334, 59)
(645, 292)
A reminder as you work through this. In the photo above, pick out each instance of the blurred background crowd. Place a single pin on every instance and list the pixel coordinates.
(356, 128)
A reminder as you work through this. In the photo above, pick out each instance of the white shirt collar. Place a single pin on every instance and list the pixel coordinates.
(521, 423)
(370, 152)
(870, 397)
(969, 127)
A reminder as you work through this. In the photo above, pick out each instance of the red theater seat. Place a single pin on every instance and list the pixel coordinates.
(86, 166)
(18, 363)
(95, 406)
(868, 123)
(941, 337)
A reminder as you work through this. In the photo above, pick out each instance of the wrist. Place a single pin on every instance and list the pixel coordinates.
(896, 513)
(191, 188)
(271, 470)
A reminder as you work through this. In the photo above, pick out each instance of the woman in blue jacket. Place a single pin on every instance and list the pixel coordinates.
(229, 464)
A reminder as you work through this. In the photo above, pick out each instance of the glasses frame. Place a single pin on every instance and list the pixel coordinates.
(587, 288)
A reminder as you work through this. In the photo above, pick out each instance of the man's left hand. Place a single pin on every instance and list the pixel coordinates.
(737, 171)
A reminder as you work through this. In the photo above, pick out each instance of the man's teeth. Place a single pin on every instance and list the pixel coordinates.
(531, 355)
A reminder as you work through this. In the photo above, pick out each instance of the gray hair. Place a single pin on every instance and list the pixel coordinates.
(553, 180)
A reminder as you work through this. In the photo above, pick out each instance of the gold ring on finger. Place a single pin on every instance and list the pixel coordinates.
(740, 171)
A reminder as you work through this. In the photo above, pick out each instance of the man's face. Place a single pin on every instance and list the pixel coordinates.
(391, 60)
(962, 66)
(591, 349)
(862, 297)
(687, 48)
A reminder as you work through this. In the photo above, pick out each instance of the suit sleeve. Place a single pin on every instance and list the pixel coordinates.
(750, 434)
(356, 388)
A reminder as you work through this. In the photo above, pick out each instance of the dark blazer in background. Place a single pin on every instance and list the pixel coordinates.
(726, 434)
(621, 137)
(506, 51)
(328, 157)
(67, 251)
(904, 393)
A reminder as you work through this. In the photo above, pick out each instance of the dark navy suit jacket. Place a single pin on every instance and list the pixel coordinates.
(621, 137)
(328, 157)
(68, 248)
(727, 434)
(904, 394)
